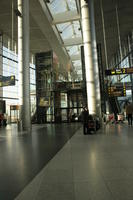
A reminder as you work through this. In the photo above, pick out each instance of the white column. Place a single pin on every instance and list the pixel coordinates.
(24, 68)
(20, 58)
(95, 59)
(89, 67)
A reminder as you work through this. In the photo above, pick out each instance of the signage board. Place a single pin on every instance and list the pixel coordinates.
(128, 85)
(64, 86)
(7, 81)
(14, 107)
(115, 91)
(76, 85)
(120, 71)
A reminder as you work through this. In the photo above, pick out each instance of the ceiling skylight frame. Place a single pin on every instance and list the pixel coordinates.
(70, 29)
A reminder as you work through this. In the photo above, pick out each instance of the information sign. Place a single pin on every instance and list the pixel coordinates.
(120, 71)
(115, 91)
(7, 81)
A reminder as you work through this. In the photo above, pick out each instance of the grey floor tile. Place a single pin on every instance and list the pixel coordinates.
(114, 173)
(92, 190)
(85, 173)
(65, 152)
(54, 191)
(30, 192)
(58, 163)
(57, 176)
(23, 156)
(108, 163)
(82, 191)
(121, 189)
(129, 172)
(92, 167)
(127, 162)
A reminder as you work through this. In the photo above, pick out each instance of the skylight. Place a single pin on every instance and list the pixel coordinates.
(68, 27)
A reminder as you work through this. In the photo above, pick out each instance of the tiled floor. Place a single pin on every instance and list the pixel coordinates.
(23, 156)
(88, 167)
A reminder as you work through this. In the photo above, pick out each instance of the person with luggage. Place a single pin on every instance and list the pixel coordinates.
(85, 115)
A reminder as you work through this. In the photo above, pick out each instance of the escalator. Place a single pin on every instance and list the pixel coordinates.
(114, 105)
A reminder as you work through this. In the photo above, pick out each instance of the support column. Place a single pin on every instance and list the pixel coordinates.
(20, 58)
(1, 61)
(95, 58)
(89, 67)
(26, 118)
(130, 41)
(24, 78)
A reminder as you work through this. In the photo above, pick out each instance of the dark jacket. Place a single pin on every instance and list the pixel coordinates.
(129, 109)
(85, 115)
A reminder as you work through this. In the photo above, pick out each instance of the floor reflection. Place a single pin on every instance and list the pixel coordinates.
(23, 156)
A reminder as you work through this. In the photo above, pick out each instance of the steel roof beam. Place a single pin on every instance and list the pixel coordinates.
(73, 41)
(65, 17)
(75, 57)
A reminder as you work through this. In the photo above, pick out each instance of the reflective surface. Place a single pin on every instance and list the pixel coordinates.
(23, 156)
(88, 167)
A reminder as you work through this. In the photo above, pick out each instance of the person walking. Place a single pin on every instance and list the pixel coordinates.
(129, 113)
(85, 114)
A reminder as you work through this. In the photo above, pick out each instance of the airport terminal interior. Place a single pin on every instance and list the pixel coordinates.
(57, 59)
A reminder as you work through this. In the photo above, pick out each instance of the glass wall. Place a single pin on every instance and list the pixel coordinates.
(9, 62)
(123, 61)
(33, 88)
(10, 67)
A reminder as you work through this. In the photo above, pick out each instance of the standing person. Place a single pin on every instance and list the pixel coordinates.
(85, 114)
(1, 119)
(129, 112)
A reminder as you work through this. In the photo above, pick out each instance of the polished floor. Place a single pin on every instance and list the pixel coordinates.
(23, 156)
(87, 167)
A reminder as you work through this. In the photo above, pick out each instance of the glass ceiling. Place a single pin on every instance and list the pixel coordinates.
(67, 30)
(58, 6)
(73, 50)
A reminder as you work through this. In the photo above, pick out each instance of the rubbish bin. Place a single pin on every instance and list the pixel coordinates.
(19, 124)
